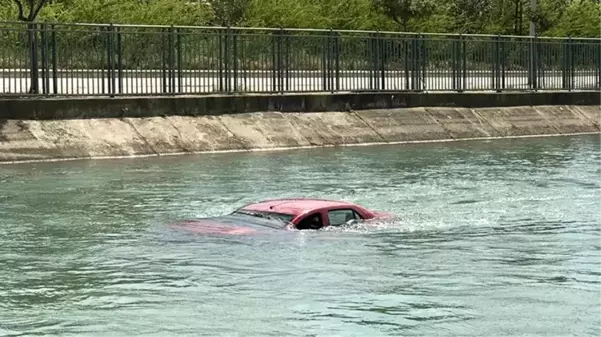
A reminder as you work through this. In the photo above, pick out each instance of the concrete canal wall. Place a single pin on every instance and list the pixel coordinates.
(66, 128)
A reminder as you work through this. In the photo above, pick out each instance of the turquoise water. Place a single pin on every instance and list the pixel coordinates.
(495, 238)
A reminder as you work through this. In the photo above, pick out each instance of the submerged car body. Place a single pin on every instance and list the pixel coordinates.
(284, 214)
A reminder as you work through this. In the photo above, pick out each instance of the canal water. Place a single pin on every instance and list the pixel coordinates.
(495, 238)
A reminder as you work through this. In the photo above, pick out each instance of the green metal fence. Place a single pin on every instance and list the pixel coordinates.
(113, 60)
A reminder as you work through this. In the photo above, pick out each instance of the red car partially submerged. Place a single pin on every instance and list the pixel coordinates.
(288, 214)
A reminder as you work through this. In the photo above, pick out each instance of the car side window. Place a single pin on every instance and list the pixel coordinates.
(341, 216)
(312, 221)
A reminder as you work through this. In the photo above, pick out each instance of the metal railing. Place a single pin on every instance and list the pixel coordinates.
(116, 60)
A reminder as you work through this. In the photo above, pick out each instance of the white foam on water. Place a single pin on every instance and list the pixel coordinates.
(394, 225)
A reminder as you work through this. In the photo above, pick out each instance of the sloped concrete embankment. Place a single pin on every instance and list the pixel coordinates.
(26, 140)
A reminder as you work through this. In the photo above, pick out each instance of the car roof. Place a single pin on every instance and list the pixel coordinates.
(294, 206)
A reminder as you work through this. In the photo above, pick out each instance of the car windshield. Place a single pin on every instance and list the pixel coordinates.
(285, 218)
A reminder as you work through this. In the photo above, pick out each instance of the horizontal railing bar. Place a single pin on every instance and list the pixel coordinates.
(320, 30)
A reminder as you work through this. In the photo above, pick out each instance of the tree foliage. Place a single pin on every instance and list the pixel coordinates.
(402, 11)
(578, 18)
(229, 12)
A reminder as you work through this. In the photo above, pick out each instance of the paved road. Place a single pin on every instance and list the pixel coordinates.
(211, 84)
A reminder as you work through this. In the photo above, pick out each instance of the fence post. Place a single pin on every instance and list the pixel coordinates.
(454, 63)
(459, 64)
(119, 58)
(327, 61)
(424, 63)
(538, 66)
(407, 55)
(274, 60)
(337, 59)
(332, 60)
(418, 63)
(463, 63)
(54, 61)
(45, 70)
(164, 60)
(565, 73)
(414, 57)
(382, 60)
(286, 37)
(599, 66)
(171, 55)
(219, 61)
(324, 62)
(180, 57)
(282, 51)
(370, 61)
(496, 77)
(227, 60)
(503, 62)
(533, 59)
(235, 58)
(572, 65)
(111, 59)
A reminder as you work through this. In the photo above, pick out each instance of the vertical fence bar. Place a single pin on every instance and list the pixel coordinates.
(54, 61)
(463, 63)
(418, 62)
(541, 48)
(329, 60)
(503, 63)
(45, 80)
(337, 59)
(227, 60)
(47, 63)
(567, 62)
(324, 63)
(111, 60)
(103, 83)
(572, 63)
(406, 61)
(370, 60)
(382, 61)
(424, 63)
(378, 61)
(534, 62)
(497, 64)
(120, 58)
(164, 60)
(171, 60)
(598, 58)
(531, 64)
(235, 59)
(179, 53)
(220, 59)
(413, 62)
(454, 63)
(286, 36)
(281, 52)
(275, 36)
